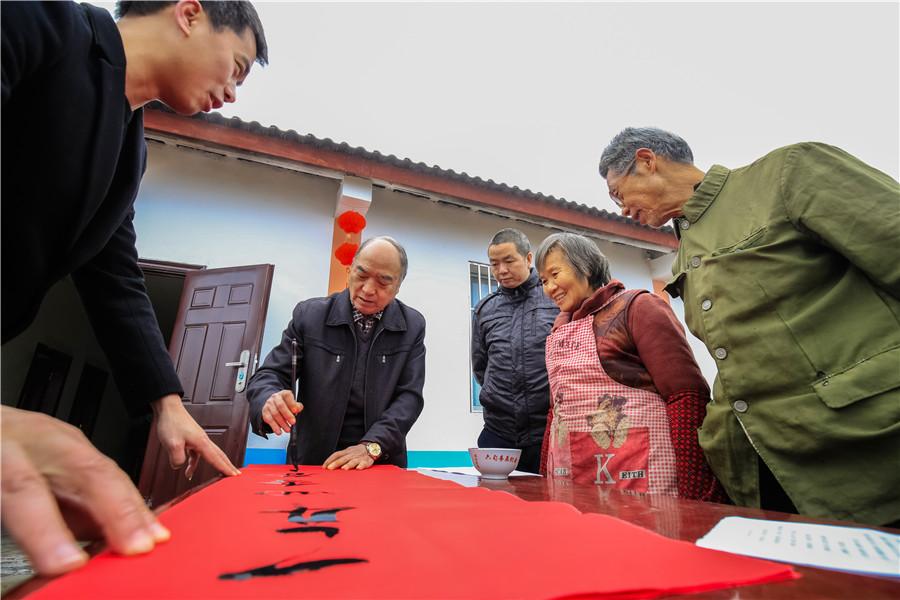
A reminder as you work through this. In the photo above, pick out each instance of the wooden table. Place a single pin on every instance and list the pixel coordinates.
(689, 520)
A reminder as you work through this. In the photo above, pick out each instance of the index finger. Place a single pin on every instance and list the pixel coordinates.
(283, 404)
(217, 458)
(291, 403)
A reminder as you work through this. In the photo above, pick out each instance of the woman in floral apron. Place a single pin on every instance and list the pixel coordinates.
(627, 396)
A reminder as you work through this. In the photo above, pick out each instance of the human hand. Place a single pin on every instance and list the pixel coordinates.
(185, 441)
(57, 486)
(280, 411)
(354, 457)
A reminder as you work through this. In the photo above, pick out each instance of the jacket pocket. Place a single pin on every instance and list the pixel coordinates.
(325, 353)
(872, 376)
(747, 242)
(385, 356)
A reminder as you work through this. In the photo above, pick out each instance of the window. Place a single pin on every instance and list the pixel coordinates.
(481, 283)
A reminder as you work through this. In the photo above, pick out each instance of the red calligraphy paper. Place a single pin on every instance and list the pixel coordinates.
(390, 533)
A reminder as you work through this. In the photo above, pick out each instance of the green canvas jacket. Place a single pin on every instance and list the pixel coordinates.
(789, 269)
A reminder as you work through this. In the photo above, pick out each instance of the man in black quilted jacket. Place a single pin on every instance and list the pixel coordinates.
(509, 329)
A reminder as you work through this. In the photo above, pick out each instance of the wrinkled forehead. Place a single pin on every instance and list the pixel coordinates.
(380, 261)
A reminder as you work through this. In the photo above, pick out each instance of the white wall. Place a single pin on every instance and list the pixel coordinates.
(201, 208)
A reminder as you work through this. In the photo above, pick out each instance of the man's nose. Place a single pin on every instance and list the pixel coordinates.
(230, 92)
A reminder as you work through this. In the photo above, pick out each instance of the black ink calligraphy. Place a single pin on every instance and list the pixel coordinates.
(274, 569)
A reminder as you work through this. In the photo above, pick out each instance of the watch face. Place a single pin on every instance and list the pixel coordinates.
(373, 449)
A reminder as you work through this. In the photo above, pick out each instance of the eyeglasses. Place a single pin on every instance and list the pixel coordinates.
(614, 195)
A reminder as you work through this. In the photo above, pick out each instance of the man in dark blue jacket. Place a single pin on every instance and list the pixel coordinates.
(509, 330)
(360, 363)
(73, 86)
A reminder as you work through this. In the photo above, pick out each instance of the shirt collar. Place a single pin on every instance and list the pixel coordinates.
(705, 193)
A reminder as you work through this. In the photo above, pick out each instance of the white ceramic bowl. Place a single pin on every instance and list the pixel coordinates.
(495, 463)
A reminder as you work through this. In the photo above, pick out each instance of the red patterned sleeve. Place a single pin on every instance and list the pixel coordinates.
(545, 445)
(696, 480)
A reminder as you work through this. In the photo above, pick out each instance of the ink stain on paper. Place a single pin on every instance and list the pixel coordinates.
(319, 515)
(328, 531)
(325, 515)
(275, 570)
(286, 483)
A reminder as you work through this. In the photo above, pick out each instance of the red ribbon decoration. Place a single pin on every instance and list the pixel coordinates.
(345, 253)
(351, 222)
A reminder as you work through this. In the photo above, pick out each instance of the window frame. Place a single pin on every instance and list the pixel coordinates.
(479, 276)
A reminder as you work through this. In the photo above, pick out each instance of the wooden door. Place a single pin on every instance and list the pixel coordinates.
(221, 317)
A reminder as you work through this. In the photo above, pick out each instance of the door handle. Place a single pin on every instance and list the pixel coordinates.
(240, 382)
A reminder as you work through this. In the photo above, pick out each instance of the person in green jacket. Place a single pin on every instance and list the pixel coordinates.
(789, 269)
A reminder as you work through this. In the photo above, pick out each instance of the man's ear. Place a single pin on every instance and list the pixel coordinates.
(187, 14)
(529, 259)
(647, 159)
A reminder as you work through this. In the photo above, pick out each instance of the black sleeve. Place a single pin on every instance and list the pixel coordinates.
(479, 352)
(275, 373)
(112, 289)
(34, 34)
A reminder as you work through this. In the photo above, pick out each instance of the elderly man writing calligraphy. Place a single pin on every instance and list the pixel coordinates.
(790, 273)
(360, 364)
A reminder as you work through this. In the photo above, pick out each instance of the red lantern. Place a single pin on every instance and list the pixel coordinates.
(345, 253)
(351, 222)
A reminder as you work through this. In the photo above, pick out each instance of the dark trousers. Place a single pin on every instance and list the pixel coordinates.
(530, 461)
(771, 495)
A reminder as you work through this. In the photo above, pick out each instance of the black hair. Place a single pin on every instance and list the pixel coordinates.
(515, 237)
(236, 15)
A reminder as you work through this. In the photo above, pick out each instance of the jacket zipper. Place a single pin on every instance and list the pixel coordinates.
(366, 378)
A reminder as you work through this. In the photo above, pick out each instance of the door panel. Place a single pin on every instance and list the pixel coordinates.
(222, 312)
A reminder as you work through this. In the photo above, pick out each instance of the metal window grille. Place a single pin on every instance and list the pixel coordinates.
(481, 283)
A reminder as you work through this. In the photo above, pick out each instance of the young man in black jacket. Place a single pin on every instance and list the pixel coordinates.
(360, 365)
(509, 330)
(73, 84)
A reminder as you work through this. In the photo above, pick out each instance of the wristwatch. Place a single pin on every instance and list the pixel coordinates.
(373, 449)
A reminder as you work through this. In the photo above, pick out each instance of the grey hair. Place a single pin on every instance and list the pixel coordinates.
(512, 236)
(626, 143)
(404, 262)
(582, 253)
